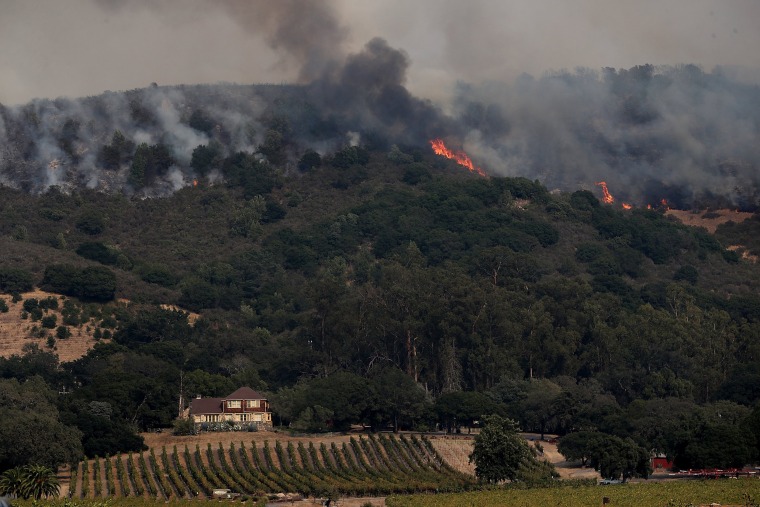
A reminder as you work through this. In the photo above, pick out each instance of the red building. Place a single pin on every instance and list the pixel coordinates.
(661, 462)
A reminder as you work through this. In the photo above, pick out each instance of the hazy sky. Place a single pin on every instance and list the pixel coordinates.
(51, 48)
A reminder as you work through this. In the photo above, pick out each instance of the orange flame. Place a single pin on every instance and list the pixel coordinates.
(664, 203)
(608, 199)
(627, 206)
(195, 183)
(460, 157)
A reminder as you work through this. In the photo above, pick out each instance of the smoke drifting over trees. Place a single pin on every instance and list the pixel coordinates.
(673, 132)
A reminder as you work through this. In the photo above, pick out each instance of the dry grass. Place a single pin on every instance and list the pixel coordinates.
(456, 451)
(711, 224)
(16, 332)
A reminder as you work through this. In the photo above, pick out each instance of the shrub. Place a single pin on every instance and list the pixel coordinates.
(183, 427)
(49, 321)
(91, 223)
(688, 273)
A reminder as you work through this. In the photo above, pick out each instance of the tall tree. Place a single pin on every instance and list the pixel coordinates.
(499, 450)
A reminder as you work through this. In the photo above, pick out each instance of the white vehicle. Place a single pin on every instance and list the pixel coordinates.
(224, 494)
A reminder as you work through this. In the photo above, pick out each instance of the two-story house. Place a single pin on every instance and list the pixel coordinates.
(242, 406)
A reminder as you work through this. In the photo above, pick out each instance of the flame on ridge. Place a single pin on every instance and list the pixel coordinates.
(608, 199)
(459, 157)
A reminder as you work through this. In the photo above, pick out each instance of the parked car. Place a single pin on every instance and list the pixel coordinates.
(224, 494)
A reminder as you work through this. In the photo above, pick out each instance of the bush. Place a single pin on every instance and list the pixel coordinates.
(3, 306)
(309, 160)
(96, 283)
(159, 274)
(30, 304)
(49, 321)
(62, 332)
(49, 303)
(183, 427)
(91, 223)
(687, 273)
(98, 252)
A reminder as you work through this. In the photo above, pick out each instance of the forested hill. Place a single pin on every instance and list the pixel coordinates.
(390, 287)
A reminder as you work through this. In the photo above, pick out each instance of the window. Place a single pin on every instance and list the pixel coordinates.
(252, 403)
(233, 404)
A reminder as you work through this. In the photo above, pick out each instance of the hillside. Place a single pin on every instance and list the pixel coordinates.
(710, 220)
(394, 289)
(19, 331)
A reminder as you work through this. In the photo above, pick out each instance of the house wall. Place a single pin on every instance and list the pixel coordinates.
(263, 407)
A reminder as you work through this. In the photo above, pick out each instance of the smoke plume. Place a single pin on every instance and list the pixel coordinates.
(651, 131)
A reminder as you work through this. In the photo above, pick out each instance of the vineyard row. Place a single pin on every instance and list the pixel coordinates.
(364, 466)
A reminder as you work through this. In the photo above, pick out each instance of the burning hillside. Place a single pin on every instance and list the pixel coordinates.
(644, 133)
(460, 157)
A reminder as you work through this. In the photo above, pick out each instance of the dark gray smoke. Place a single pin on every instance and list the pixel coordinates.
(677, 133)
(651, 132)
(308, 33)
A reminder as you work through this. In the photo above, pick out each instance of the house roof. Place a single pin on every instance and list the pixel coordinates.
(244, 393)
(206, 406)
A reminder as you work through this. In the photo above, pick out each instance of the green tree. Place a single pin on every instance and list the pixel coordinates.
(30, 428)
(309, 161)
(463, 408)
(96, 283)
(246, 219)
(12, 482)
(38, 481)
(580, 445)
(206, 157)
(401, 401)
(91, 223)
(612, 456)
(15, 280)
(717, 445)
(499, 450)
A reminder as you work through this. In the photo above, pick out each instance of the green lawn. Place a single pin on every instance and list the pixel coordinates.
(744, 492)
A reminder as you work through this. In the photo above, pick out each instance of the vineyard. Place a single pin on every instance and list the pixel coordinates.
(365, 466)
(684, 493)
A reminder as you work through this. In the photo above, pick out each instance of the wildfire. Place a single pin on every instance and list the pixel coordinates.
(195, 183)
(459, 157)
(608, 199)
(627, 206)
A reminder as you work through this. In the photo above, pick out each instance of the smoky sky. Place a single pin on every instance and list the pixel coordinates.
(658, 98)
(75, 48)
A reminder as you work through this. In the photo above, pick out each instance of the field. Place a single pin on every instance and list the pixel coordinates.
(17, 331)
(374, 465)
(270, 462)
(744, 492)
